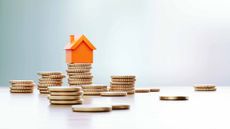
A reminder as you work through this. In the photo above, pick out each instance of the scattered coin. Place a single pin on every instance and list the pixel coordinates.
(120, 106)
(91, 108)
(142, 90)
(154, 90)
(205, 87)
(173, 98)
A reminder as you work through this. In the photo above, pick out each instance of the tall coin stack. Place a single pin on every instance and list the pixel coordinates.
(49, 79)
(123, 83)
(79, 74)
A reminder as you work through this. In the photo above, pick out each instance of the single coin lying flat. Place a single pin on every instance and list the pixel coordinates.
(113, 94)
(120, 106)
(205, 87)
(142, 90)
(91, 108)
(154, 90)
(173, 98)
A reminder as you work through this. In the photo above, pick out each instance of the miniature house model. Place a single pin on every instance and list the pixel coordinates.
(79, 50)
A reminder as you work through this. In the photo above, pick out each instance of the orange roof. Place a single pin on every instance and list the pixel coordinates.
(78, 41)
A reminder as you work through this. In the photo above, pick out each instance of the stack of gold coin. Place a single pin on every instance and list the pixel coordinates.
(22, 86)
(205, 87)
(94, 89)
(65, 95)
(79, 74)
(123, 83)
(49, 79)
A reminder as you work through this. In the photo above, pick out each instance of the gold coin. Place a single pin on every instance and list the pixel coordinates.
(69, 102)
(122, 83)
(22, 81)
(91, 93)
(95, 90)
(123, 77)
(49, 73)
(123, 80)
(91, 108)
(154, 90)
(111, 94)
(142, 90)
(79, 64)
(120, 106)
(57, 89)
(21, 91)
(79, 93)
(173, 98)
(50, 97)
(205, 89)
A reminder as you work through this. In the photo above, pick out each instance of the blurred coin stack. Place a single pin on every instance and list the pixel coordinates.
(123, 83)
(48, 79)
(94, 89)
(79, 74)
(22, 86)
(65, 95)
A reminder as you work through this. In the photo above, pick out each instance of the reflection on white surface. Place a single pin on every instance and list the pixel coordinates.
(203, 110)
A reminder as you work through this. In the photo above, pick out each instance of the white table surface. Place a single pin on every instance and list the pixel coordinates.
(203, 110)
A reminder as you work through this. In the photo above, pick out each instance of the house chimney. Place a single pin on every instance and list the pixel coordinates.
(71, 38)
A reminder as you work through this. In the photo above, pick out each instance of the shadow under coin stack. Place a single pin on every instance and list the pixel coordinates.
(94, 89)
(65, 95)
(22, 86)
(123, 83)
(49, 79)
(79, 74)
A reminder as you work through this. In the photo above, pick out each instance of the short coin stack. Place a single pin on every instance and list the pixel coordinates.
(79, 74)
(65, 95)
(94, 89)
(123, 83)
(22, 86)
(49, 79)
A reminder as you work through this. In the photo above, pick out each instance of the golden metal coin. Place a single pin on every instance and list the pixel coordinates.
(173, 98)
(91, 108)
(120, 106)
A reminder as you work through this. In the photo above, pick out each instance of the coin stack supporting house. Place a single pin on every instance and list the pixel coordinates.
(49, 79)
(123, 83)
(79, 74)
(94, 89)
(22, 86)
(65, 95)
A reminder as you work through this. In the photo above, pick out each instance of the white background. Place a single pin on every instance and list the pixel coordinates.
(162, 42)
